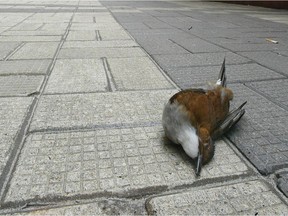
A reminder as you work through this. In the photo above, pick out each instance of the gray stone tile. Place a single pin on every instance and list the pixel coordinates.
(77, 75)
(34, 33)
(137, 74)
(193, 76)
(86, 53)
(276, 90)
(81, 35)
(12, 112)
(28, 38)
(108, 44)
(111, 160)
(40, 50)
(6, 48)
(253, 197)
(114, 35)
(282, 182)
(269, 59)
(27, 27)
(21, 67)
(255, 47)
(97, 109)
(19, 85)
(185, 60)
(261, 135)
(110, 26)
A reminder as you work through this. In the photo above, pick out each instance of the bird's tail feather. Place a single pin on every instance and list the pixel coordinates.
(222, 75)
(231, 119)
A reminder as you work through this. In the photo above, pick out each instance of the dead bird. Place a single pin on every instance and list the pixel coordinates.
(195, 118)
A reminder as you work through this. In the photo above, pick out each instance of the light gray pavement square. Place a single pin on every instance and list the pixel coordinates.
(109, 27)
(95, 44)
(114, 35)
(77, 75)
(111, 160)
(100, 109)
(275, 90)
(21, 67)
(86, 53)
(12, 112)
(81, 35)
(36, 50)
(199, 59)
(261, 135)
(28, 38)
(27, 26)
(247, 198)
(6, 48)
(19, 85)
(54, 26)
(34, 33)
(269, 59)
(138, 73)
(192, 76)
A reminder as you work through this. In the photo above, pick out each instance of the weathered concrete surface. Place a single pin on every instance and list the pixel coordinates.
(92, 141)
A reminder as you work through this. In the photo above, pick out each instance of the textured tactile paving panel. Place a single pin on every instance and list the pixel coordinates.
(40, 50)
(81, 53)
(112, 160)
(186, 60)
(6, 48)
(269, 59)
(187, 77)
(137, 74)
(12, 112)
(282, 182)
(100, 109)
(77, 75)
(24, 67)
(274, 89)
(248, 198)
(261, 135)
(19, 85)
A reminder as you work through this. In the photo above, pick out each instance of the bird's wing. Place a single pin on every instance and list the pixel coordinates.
(230, 120)
(222, 75)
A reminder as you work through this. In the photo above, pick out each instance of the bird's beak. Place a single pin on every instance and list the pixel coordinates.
(199, 164)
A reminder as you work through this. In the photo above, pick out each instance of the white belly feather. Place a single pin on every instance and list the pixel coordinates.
(178, 128)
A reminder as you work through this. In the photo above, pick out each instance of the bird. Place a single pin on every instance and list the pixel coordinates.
(196, 117)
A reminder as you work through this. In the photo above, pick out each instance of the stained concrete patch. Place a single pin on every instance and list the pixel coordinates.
(100, 109)
(40, 50)
(6, 48)
(248, 198)
(19, 85)
(112, 43)
(12, 114)
(111, 160)
(82, 53)
(20, 67)
(77, 75)
(136, 74)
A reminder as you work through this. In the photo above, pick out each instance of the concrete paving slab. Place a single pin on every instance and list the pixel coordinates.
(81, 35)
(40, 50)
(6, 48)
(77, 75)
(199, 59)
(256, 47)
(248, 198)
(21, 67)
(19, 85)
(88, 53)
(34, 33)
(100, 109)
(12, 112)
(112, 43)
(109, 160)
(105, 26)
(114, 35)
(276, 90)
(282, 182)
(269, 59)
(261, 135)
(193, 76)
(27, 26)
(54, 26)
(138, 73)
(29, 38)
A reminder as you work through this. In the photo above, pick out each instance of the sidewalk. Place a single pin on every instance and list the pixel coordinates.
(82, 89)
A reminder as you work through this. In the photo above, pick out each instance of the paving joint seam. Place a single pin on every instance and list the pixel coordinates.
(109, 76)
(184, 47)
(14, 51)
(10, 165)
(98, 35)
(271, 99)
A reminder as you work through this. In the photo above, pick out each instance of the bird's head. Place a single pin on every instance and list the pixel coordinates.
(206, 149)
